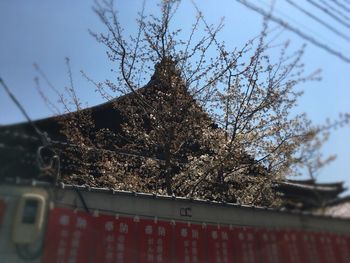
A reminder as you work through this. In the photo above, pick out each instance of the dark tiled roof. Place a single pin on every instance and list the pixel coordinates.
(308, 194)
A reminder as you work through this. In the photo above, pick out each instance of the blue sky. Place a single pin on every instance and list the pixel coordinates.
(47, 31)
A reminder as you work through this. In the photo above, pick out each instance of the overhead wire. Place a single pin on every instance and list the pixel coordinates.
(295, 30)
(297, 24)
(335, 10)
(116, 150)
(20, 107)
(328, 26)
(325, 10)
(305, 27)
(341, 5)
(49, 163)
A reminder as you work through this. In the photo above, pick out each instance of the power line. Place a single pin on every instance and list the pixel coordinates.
(341, 5)
(331, 28)
(23, 111)
(302, 27)
(295, 30)
(53, 164)
(305, 27)
(335, 10)
(325, 10)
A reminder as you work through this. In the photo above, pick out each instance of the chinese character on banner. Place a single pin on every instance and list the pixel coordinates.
(69, 237)
(219, 244)
(114, 239)
(244, 245)
(189, 243)
(288, 244)
(268, 246)
(154, 241)
(2, 210)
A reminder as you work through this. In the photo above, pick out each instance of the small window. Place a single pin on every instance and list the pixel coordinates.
(29, 211)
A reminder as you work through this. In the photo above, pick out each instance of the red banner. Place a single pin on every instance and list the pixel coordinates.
(2, 210)
(309, 247)
(154, 241)
(325, 248)
(69, 237)
(114, 239)
(268, 248)
(244, 245)
(219, 244)
(79, 237)
(189, 243)
(288, 243)
(342, 248)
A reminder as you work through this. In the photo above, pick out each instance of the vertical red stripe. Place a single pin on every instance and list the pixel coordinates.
(69, 237)
(190, 243)
(244, 245)
(219, 244)
(114, 239)
(154, 241)
(2, 210)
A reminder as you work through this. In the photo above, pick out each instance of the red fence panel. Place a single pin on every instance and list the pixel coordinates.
(190, 243)
(326, 248)
(219, 245)
(268, 249)
(288, 243)
(80, 237)
(309, 247)
(2, 210)
(114, 239)
(244, 245)
(342, 248)
(69, 237)
(154, 241)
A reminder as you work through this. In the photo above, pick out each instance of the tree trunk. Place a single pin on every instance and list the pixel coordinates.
(168, 171)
